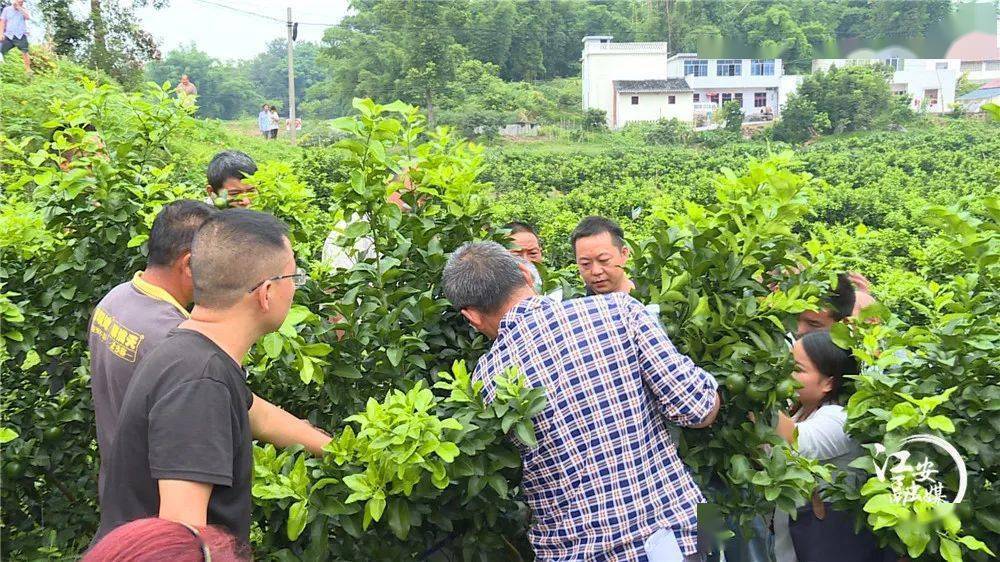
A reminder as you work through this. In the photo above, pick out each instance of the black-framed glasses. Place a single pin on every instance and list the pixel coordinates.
(205, 552)
(299, 278)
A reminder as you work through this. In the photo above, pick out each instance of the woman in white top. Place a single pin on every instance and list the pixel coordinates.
(820, 369)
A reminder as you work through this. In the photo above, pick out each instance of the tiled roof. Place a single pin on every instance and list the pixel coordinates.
(668, 85)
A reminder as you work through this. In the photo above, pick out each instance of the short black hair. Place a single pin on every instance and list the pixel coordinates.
(234, 250)
(516, 227)
(229, 164)
(174, 229)
(592, 226)
(841, 300)
(832, 361)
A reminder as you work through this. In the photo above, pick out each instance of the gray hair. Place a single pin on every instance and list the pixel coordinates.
(482, 275)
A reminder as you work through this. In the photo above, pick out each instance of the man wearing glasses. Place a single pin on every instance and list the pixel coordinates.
(183, 446)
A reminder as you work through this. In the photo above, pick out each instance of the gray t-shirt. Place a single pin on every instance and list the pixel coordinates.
(127, 324)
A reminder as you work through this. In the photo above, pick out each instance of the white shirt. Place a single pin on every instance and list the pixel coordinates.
(339, 258)
(821, 437)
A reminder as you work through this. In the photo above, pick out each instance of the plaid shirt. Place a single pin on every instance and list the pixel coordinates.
(605, 475)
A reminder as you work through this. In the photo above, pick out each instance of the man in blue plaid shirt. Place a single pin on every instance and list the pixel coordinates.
(605, 481)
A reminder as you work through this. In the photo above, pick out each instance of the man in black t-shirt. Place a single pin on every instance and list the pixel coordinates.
(183, 449)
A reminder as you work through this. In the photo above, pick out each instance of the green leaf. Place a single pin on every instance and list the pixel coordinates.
(375, 507)
(137, 240)
(973, 543)
(840, 333)
(297, 516)
(7, 435)
(399, 518)
(273, 343)
(347, 372)
(272, 491)
(525, 431)
(316, 349)
(306, 372)
(30, 360)
(941, 423)
(447, 451)
(950, 550)
(395, 355)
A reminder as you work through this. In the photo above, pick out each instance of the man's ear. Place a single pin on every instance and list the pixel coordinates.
(263, 297)
(529, 279)
(474, 317)
(184, 264)
(626, 252)
(209, 190)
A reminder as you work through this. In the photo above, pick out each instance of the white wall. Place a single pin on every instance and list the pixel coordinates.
(653, 106)
(917, 82)
(604, 63)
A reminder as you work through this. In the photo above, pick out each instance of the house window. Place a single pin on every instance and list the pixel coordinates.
(738, 98)
(728, 67)
(971, 65)
(714, 98)
(696, 68)
(635, 100)
(991, 65)
(931, 96)
(671, 100)
(895, 63)
(727, 97)
(760, 99)
(762, 67)
(697, 97)
(940, 66)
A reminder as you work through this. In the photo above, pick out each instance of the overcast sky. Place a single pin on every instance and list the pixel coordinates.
(229, 34)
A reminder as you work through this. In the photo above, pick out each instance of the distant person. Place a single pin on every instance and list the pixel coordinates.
(183, 451)
(187, 87)
(275, 123)
(605, 481)
(288, 124)
(264, 121)
(226, 174)
(159, 540)
(298, 124)
(14, 30)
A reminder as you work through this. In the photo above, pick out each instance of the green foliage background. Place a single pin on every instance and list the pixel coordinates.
(871, 202)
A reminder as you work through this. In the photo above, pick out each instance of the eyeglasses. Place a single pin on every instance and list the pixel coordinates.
(299, 278)
(205, 552)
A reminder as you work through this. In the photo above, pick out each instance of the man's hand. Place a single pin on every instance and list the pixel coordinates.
(273, 425)
(711, 415)
(184, 501)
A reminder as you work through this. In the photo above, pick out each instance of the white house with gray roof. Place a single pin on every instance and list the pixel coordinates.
(643, 82)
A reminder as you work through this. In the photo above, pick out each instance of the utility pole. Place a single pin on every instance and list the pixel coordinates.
(291, 75)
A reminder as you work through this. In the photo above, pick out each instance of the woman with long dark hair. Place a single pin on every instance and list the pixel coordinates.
(821, 534)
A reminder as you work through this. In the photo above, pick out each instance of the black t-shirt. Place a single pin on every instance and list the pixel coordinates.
(184, 417)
